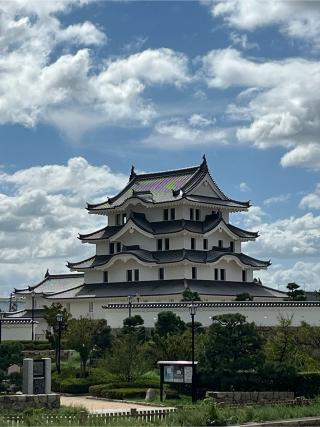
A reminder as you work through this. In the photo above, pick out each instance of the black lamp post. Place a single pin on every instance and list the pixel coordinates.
(193, 310)
(59, 318)
(130, 305)
(33, 294)
(1, 317)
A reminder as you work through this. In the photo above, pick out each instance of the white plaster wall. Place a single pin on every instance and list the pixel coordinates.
(16, 332)
(262, 316)
(137, 238)
(93, 276)
(102, 248)
(266, 316)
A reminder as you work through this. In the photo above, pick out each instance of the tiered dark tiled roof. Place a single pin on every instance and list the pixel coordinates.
(168, 287)
(26, 314)
(53, 283)
(166, 257)
(167, 186)
(167, 227)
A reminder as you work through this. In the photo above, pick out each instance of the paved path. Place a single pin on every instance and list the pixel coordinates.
(102, 406)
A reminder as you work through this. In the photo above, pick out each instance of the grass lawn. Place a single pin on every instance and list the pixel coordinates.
(201, 414)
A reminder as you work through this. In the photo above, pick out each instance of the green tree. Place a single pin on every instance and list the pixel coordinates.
(295, 293)
(245, 296)
(127, 359)
(280, 346)
(82, 336)
(169, 323)
(102, 337)
(135, 323)
(175, 347)
(50, 315)
(189, 295)
(232, 346)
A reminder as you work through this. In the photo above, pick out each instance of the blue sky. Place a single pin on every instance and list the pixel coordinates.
(88, 88)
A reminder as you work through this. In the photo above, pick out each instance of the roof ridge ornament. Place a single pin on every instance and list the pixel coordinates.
(132, 173)
(204, 164)
(47, 274)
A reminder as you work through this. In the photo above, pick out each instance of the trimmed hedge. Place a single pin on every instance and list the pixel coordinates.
(104, 390)
(72, 385)
(32, 345)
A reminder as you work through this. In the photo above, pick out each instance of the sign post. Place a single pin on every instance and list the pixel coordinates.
(178, 372)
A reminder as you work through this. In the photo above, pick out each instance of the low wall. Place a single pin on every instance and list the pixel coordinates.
(236, 397)
(27, 401)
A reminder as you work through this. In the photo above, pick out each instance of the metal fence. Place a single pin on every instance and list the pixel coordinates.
(87, 419)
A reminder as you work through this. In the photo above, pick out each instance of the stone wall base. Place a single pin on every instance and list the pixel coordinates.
(238, 397)
(28, 401)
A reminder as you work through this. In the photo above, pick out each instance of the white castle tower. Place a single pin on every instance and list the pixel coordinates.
(169, 231)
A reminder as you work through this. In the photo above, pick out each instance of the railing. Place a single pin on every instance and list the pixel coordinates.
(87, 419)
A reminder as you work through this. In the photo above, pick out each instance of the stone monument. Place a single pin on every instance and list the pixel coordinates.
(36, 376)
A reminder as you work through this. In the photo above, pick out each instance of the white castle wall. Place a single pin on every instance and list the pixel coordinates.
(262, 316)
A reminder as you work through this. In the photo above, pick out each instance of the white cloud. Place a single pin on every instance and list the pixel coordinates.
(42, 210)
(280, 101)
(277, 199)
(306, 274)
(195, 131)
(244, 187)
(75, 91)
(297, 19)
(242, 41)
(312, 200)
(293, 237)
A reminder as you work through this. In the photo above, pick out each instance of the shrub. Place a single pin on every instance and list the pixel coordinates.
(72, 385)
(32, 345)
(172, 394)
(307, 384)
(118, 391)
(124, 393)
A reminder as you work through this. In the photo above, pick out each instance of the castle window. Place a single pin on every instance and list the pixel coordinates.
(191, 214)
(90, 307)
(193, 243)
(232, 246)
(105, 277)
(197, 214)
(244, 275)
(68, 307)
(172, 213)
(220, 243)
(124, 218)
(166, 244)
(222, 274)
(118, 219)
(205, 244)
(136, 275)
(118, 247)
(111, 248)
(161, 273)
(159, 244)
(166, 214)
(216, 274)
(194, 272)
(129, 275)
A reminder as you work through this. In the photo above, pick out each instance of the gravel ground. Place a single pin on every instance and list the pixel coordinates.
(102, 406)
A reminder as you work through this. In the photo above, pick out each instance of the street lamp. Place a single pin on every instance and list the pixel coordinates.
(130, 305)
(59, 318)
(33, 294)
(1, 317)
(192, 311)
